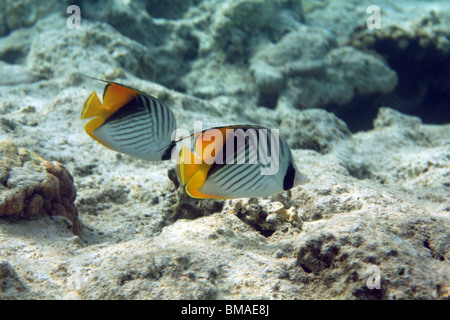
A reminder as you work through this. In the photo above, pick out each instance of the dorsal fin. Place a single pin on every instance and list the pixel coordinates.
(209, 149)
(115, 96)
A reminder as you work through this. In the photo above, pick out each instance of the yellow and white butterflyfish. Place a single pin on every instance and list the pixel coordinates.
(131, 122)
(243, 161)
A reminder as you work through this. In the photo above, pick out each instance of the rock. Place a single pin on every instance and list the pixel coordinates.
(314, 129)
(418, 49)
(411, 152)
(388, 117)
(364, 74)
(17, 74)
(19, 14)
(13, 286)
(56, 57)
(359, 249)
(318, 254)
(31, 186)
(307, 70)
(238, 26)
(171, 40)
(212, 79)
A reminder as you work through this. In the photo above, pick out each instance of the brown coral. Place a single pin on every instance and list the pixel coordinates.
(31, 186)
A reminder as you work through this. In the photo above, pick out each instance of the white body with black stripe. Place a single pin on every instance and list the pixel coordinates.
(238, 170)
(246, 180)
(130, 121)
(141, 128)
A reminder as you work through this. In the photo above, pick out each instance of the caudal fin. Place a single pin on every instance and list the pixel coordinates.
(92, 107)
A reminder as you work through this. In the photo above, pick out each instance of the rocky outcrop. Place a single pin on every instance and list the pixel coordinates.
(31, 186)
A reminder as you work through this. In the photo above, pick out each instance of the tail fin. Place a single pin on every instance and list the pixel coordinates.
(115, 95)
(92, 107)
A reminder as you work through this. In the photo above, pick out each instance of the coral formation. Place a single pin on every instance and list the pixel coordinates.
(32, 186)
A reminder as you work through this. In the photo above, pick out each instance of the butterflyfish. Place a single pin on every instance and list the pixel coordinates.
(131, 122)
(242, 161)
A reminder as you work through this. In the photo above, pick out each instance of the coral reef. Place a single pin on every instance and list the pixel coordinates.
(32, 186)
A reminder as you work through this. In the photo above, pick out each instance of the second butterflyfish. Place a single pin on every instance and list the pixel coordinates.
(130, 121)
(242, 161)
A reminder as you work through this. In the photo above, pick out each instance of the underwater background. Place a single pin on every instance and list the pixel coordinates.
(359, 89)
